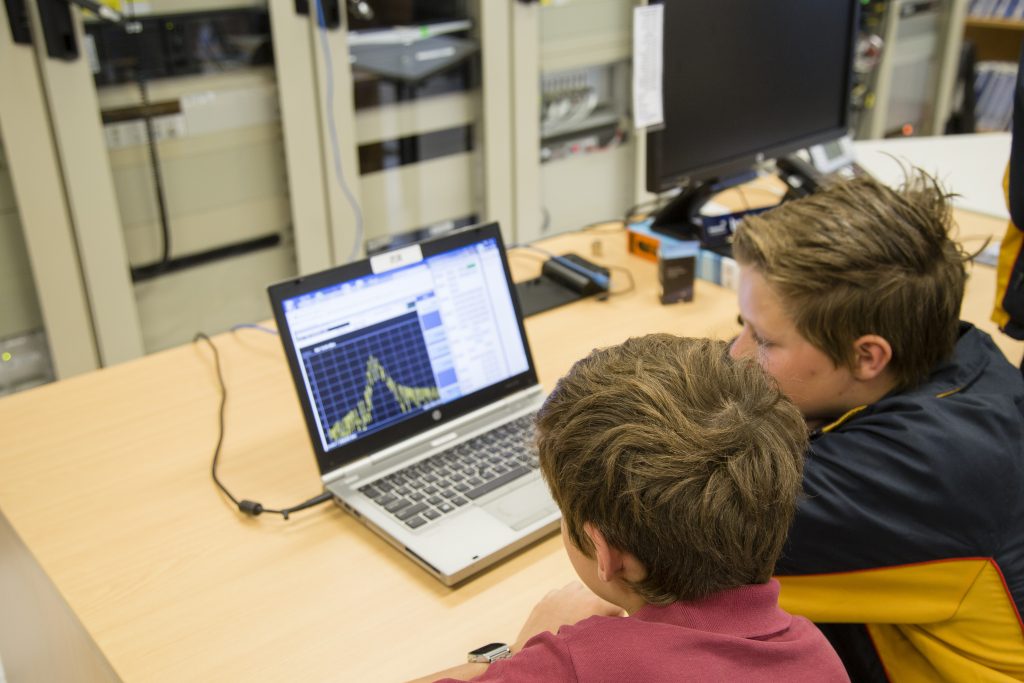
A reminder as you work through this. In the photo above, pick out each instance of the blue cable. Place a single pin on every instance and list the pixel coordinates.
(335, 151)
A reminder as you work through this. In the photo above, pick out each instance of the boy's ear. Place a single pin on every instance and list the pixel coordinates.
(871, 356)
(604, 554)
(612, 563)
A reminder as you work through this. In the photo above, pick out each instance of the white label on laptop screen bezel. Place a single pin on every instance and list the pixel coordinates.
(391, 260)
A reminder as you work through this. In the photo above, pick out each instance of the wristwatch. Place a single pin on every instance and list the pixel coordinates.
(489, 653)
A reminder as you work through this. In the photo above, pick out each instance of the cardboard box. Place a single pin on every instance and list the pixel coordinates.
(710, 266)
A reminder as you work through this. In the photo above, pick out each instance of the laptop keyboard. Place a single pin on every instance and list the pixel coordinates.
(444, 482)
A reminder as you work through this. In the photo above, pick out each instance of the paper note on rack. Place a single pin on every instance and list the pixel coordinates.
(648, 30)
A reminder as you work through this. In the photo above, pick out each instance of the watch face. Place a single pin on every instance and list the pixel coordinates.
(487, 649)
(490, 652)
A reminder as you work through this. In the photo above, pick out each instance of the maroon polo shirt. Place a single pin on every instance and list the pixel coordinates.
(735, 635)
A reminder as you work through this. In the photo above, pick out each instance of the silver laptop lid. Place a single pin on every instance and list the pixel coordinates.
(386, 348)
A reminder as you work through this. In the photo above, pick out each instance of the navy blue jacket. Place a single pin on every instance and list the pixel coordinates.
(912, 525)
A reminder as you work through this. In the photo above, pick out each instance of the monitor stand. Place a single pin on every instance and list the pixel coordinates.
(681, 219)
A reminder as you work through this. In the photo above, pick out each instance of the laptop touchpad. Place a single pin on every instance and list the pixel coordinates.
(524, 505)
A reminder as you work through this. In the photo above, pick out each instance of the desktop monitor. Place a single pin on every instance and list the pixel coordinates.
(744, 81)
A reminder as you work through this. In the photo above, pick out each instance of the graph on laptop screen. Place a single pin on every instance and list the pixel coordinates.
(378, 349)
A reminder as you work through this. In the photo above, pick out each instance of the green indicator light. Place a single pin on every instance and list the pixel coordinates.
(424, 31)
(6, 356)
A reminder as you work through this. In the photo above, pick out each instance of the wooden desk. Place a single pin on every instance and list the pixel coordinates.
(120, 560)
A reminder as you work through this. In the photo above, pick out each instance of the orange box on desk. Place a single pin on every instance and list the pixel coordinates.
(643, 244)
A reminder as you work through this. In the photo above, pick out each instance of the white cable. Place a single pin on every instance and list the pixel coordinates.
(335, 150)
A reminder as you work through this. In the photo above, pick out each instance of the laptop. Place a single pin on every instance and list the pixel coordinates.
(419, 393)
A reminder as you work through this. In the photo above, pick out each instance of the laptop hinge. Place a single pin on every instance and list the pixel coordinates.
(437, 439)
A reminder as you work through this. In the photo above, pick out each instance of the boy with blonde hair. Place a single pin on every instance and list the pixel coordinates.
(677, 470)
(908, 548)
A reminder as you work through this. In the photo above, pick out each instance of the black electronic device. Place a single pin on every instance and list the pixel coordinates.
(58, 30)
(576, 273)
(800, 176)
(745, 81)
(563, 279)
(17, 16)
(181, 44)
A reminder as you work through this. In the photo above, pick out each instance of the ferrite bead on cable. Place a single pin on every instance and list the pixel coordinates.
(250, 507)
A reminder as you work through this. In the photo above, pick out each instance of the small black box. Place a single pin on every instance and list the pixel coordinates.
(676, 271)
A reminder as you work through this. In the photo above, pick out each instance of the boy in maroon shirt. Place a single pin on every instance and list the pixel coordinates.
(677, 471)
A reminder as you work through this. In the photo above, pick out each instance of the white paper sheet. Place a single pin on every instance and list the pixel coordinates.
(648, 30)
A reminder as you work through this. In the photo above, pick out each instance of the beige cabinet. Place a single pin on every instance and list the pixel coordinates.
(200, 150)
(579, 160)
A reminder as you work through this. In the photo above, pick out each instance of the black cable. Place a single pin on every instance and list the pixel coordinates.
(530, 247)
(528, 255)
(150, 270)
(245, 506)
(618, 223)
(154, 157)
(154, 163)
(634, 210)
(743, 197)
(629, 288)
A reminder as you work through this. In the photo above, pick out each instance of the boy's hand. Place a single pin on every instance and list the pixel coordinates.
(564, 606)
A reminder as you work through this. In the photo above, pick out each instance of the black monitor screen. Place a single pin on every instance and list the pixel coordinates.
(749, 78)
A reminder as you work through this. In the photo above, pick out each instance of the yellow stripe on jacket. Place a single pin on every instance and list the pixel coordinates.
(944, 620)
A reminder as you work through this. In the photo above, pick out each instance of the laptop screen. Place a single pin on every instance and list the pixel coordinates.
(400, 339)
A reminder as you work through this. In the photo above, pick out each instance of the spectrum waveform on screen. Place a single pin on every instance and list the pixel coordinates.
(360, 417)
